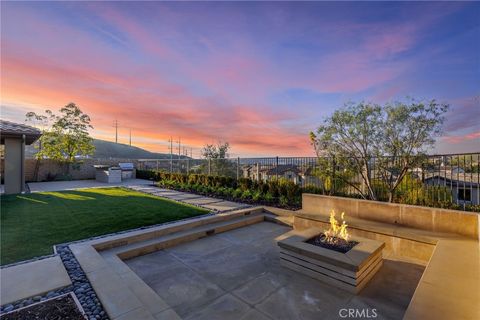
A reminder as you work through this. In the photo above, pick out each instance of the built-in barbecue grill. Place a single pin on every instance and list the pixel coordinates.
(108, 174)
(128, 170)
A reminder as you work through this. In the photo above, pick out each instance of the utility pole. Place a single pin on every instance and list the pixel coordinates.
(115, 124)
(179, 148)
(171, 154)
(130, 137)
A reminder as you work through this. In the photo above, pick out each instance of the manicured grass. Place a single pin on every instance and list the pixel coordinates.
(31, 224)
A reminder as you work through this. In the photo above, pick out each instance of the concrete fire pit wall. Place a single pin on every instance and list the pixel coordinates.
(419, 251)
(425, 218)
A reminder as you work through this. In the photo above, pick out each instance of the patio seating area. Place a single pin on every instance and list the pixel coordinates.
(237, 275)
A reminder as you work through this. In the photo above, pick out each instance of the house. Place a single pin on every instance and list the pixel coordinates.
(261, 172)
(308, 177)
(465, 187)
(14, 137)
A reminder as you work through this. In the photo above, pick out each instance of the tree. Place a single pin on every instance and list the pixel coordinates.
(219, 151)
(218, 156)
(379, 142)
(65, 136)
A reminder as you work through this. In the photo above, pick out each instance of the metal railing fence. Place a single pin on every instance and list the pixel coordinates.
(438, 179)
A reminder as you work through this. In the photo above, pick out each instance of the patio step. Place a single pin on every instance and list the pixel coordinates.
(169, 240)
(163, 230)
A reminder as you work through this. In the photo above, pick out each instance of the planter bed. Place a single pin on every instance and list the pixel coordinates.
(62, 308)
(239, 200)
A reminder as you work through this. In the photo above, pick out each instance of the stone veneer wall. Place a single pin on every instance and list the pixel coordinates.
(432, 219)
(84, 170)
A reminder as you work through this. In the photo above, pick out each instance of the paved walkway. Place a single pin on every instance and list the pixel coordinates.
(79, 184)
(213, 204)
(32, 279)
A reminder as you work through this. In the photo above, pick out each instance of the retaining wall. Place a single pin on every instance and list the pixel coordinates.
(425, 218)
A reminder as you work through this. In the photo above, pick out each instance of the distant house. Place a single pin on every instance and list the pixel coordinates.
(309, 177)
(465, 187)
(261, 173)
(248, 171)
(286, 171)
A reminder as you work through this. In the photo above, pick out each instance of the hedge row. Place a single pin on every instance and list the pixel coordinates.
(280, 192)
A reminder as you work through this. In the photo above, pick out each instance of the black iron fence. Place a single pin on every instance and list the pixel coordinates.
(435, 180)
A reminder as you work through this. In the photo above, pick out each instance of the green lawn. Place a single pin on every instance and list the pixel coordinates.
(31, 224)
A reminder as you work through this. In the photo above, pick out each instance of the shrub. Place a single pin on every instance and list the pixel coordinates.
(237, 193)
(246, 195)
(312, 189)
(269, 197)
(244, 183)
(229, 192)
(283, 201)
(257, 196)
(263, 187)
(273, 188)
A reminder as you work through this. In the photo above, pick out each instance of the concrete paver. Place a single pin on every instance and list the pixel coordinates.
(31, 279)
(184, 290)
(226, 307)
(194, 199)
(202, 200)
(224, 206)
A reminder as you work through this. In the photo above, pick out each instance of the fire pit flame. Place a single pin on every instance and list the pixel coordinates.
(337, 231)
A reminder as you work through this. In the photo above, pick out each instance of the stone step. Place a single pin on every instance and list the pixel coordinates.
(162, 230)
(172, 239)
(283, 220)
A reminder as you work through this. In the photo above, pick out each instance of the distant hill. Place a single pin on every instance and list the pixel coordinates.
(108, 149)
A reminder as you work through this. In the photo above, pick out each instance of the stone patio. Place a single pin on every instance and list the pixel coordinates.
(237, 275)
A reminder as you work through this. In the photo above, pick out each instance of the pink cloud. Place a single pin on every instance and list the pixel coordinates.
(152, 115)
(463, 138)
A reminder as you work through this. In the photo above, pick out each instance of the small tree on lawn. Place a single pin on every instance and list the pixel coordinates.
(379, 142)
(65, 136)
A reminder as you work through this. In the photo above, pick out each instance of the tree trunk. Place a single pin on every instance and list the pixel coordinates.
(67, 168)
(390, 196)
(36, 170)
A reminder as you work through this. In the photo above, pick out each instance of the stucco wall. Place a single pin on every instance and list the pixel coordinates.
(49, 169)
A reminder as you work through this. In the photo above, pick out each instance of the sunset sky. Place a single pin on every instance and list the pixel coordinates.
(258, 75)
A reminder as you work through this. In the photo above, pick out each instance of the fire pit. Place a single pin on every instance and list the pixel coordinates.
(332, 256)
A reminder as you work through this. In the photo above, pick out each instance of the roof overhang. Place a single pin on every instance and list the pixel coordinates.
(11, 130)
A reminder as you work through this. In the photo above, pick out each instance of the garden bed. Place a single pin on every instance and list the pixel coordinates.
(272, 203)
(60, 308)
